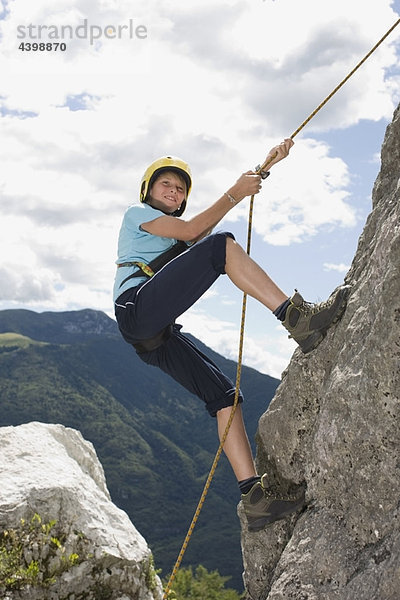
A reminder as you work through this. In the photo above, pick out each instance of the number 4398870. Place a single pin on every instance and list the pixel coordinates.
(42, 46)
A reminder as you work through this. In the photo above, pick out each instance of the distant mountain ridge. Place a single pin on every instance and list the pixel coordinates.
(155, 440)
(59, 327)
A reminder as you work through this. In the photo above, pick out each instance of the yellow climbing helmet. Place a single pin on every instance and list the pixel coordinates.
(166, 163)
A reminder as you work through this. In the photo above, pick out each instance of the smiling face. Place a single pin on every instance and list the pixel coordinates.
(167, 192)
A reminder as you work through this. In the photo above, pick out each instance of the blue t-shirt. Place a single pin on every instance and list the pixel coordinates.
(135, 244)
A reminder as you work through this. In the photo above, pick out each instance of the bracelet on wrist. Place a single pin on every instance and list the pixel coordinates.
(230, 198)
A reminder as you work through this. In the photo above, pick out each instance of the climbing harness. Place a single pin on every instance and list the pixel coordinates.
(145, 270)
(261, 170)
(149, 270)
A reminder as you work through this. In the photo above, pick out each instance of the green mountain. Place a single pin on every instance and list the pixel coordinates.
(156, 441)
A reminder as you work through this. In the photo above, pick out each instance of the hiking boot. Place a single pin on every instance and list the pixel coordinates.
(262, 508)
(308, 323)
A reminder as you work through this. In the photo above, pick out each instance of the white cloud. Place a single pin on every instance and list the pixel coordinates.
(298, 201)
(21, 284)
(376, 159)
(217, 84)
(340, 268)
(268, 353)
(273, 60)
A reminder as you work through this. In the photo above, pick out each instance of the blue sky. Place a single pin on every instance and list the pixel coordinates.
(217, 83)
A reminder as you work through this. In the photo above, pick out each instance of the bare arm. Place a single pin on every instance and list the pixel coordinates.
(194, 228)
(197, 227)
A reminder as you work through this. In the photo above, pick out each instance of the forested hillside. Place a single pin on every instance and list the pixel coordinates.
(155, 441)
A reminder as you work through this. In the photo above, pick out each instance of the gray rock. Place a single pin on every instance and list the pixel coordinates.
(53, 498)
(334, 427)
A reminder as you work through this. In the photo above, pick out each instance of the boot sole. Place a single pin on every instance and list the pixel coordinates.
(317, 336)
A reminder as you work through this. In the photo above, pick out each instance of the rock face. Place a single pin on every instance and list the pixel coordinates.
(333, 426)
(77, 544)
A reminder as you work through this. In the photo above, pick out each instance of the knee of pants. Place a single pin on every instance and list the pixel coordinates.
(188, 366)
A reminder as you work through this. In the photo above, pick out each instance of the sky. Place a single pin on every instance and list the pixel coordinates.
(218, 83)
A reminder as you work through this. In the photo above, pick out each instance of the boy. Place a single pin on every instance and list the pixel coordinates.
(159, 278)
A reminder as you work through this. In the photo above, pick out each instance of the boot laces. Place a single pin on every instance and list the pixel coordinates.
(310, 308)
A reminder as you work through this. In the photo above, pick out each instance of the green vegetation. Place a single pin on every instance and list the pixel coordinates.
(151, 574)
(200, 585)
(156, 442)
(34, 554)
(15, 340)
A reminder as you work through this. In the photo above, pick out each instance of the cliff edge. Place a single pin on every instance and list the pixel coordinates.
(333, 427)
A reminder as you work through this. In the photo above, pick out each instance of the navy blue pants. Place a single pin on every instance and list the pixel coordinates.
(143, 311)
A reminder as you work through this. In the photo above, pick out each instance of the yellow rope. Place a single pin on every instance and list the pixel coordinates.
(389, 31)
(264, 166)
(228, 425)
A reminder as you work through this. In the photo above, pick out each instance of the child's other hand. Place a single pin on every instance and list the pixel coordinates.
(278, 152)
